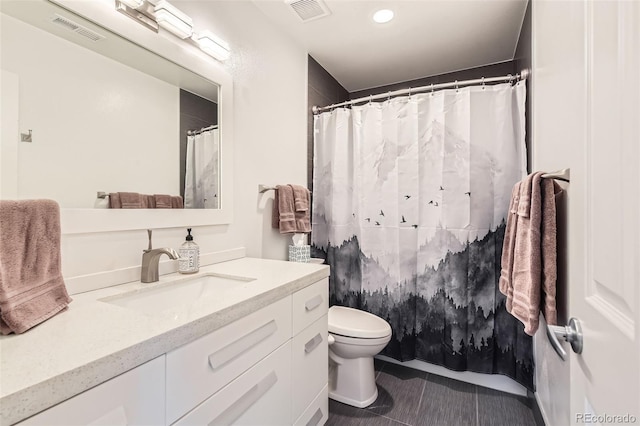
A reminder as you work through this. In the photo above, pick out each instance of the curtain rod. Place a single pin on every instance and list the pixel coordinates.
(506, 78)
(204, 129)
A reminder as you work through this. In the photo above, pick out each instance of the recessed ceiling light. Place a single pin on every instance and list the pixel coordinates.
(383, 15)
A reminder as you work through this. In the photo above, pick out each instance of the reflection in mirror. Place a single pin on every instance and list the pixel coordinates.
(105, 115)
(199, 151)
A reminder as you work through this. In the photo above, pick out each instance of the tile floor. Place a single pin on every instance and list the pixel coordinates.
(411, 397)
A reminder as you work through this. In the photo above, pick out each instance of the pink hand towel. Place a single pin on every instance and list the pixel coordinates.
(285, 217)
(114, 201)
(162, 201)
(131, 200)
(32, 289)
(177, 202)
(300, 198)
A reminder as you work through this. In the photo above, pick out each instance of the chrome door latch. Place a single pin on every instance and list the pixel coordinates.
(571, 333)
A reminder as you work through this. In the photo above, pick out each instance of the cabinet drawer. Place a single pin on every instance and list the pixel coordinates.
(134, 397)
(317, 413)
(261, 396)
(309, 304)
(310, 364)
(197, 370)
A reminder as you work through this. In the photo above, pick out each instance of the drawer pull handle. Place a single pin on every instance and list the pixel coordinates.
(317, 416)
(241, 345)
(313, 343)
(313, 303)
(242, 404)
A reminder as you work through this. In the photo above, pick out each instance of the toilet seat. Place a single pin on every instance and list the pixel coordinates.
(353, 323)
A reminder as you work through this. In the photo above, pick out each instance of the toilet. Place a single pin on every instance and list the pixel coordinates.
(355, 337)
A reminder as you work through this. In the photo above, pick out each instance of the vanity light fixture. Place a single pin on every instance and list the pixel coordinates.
(383, 16)
(173, 20)
(138, 13)
(133, 4)
(213, 45)
(165, 15)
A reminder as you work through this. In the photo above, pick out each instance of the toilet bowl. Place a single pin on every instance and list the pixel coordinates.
(355, 337)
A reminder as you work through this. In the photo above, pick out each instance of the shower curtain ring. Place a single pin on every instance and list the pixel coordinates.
(389, 95)
(370, 99)
(482, 83)
(456, 86)
(431, 89)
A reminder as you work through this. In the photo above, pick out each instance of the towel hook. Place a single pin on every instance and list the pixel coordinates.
(26, 137)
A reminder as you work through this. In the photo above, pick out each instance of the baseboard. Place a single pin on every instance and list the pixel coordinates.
(493, 381)
(90, 282)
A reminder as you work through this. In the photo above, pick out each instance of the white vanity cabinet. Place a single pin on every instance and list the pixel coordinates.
(132, 398)
(268, 368)
(199, 369)
(310, 354)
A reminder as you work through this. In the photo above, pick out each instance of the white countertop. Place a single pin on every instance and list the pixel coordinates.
(94, 341)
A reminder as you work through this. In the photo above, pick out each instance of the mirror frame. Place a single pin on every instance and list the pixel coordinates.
(75, 221)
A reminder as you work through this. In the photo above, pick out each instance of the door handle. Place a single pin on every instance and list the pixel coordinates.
(571, 333)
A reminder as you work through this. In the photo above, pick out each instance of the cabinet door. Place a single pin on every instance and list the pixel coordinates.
(310, 360)
(132, 398)
(260, 396)
(317, 413)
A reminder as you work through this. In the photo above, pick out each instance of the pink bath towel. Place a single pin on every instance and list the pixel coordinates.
(284, 215)
(529, 268)
(32, 289)
(134, 200)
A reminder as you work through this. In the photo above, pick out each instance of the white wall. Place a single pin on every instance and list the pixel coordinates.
(92, 118)
(270, 98)
(557, 62)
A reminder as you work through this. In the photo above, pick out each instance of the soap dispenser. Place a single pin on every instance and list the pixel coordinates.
(189, 256)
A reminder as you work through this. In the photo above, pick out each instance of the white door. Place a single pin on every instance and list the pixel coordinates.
(605, 220)
(586, 115)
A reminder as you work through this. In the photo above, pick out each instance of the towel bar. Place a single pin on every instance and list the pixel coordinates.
(563, 175)
(264, 188)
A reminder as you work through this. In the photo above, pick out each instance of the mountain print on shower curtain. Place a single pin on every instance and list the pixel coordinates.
(461, 336)
(410, 198)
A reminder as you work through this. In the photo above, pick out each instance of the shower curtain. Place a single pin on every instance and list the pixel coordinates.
(409, 209)
(201, 183)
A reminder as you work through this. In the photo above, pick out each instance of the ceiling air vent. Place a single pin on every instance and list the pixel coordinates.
(308, 10)
(76, 28)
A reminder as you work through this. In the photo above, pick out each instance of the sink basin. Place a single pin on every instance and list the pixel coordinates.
(181, 292)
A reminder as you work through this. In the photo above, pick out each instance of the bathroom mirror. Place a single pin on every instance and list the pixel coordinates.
(107, 108)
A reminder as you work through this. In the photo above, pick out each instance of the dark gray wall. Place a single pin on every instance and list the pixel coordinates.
(323, 90)
(195, 113)
(521, 61)
(495, 70)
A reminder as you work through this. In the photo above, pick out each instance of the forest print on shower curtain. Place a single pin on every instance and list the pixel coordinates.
(410, 198)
